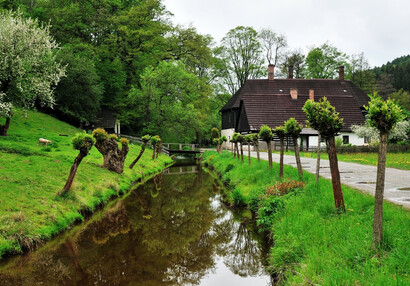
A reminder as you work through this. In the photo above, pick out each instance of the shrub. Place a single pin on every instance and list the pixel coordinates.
(283, 188)
(238, 198)
(229, 167)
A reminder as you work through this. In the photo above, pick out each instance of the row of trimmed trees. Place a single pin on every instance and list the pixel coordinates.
(322, 116)
(107, 145)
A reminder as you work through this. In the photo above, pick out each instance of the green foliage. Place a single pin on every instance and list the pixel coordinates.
(255, 139)
(124, 141)
(248, 138)
(322, 116)
(238, 198)
(28, 66)
(239, 57)
(280, 131)
(113, 137)
(403, 98)
(145, 139)
(224, 139)
(215, 141)
(155, 140)
(214, 133)
(292, 127)
(265, 133)
(83, 142)
(324, 61)
(235, 137)
(100, 134)
(383, 114)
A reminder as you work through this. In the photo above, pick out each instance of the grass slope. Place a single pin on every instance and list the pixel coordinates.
(314, 245)
(32, 175)
(393, 160)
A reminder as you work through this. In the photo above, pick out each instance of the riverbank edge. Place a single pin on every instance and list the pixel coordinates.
(126, 183)
(297, 264)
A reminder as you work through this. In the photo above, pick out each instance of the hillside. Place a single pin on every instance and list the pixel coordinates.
(32, 175)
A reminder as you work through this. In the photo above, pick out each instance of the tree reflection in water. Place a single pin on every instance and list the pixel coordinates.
(169, 231)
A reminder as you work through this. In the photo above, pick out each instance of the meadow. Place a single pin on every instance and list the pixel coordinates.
(313, 243)
(31, 176)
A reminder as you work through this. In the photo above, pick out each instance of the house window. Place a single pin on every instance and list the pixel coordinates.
(345, 139)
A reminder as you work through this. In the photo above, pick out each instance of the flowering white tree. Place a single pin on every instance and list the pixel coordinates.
(399, 132)
(29, 71)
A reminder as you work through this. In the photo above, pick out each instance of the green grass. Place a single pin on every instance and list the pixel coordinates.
(393, 160)
(31, 176)
(313, 244)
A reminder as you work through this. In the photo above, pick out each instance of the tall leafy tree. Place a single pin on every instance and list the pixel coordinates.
(322, 116)
(239, 57)
(273, 44)
(296, 59)
(382, 115)
(323, 61)
(29, 70)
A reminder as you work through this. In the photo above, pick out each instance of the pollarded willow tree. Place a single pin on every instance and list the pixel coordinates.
(280, 132)
(265, 133)
(293, 129)
(235, 141)
(240, 140)
(223, 140)
(82, 142)
(29, 71)
(145, 139)
(383, 115)
(107, 145)
(255, 141)
(322, 116)
(248, 139)
(155, 140)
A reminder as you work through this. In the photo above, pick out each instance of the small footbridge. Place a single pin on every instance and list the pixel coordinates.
(170, 148)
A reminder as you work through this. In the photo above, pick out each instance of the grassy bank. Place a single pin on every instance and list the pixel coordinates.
(393, 160)
(314, 245)
(31, 176)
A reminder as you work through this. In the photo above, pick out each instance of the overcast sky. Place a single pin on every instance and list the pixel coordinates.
(380, 29)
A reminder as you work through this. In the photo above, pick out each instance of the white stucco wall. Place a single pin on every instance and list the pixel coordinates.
(228, 133)
(353, 139)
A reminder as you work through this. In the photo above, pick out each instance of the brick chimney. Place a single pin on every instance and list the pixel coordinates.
(271, 72)
(294, 93)
(290, 75)
(312, 94)
(342, 73)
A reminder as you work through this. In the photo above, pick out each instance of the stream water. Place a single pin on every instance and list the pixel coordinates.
(172, 230)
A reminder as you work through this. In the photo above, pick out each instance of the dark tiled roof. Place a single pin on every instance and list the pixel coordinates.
(105, 119)
(269, 101)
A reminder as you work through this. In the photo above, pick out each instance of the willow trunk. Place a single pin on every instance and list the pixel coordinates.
(241, 151)
(72, 173)
(282, 150)
(378, 198)
(139, 156)
(257, 153)
(334, 170)
(270, 154)
(297, 156)
(249, 153)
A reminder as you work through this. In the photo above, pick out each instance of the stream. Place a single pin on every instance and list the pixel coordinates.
(172, 230)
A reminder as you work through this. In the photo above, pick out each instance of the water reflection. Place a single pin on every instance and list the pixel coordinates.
(173, 230)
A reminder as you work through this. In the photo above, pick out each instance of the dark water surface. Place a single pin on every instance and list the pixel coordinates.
(173, 230)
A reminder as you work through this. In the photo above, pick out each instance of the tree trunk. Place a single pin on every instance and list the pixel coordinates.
(249, 153)
(4, 128)
(270, 154)
(282, 150)
(287, 143)
(318, 158)
(217, 148)
(241, 151)
(297, 156)
(236, 150)
(153, 151)
(139, 156)
(378, 197)
(114, 157)
(159, 148)
(257, 153)
(334, 169)
(73, 171)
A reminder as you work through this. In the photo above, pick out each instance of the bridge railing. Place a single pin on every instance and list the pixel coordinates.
(165, 146)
